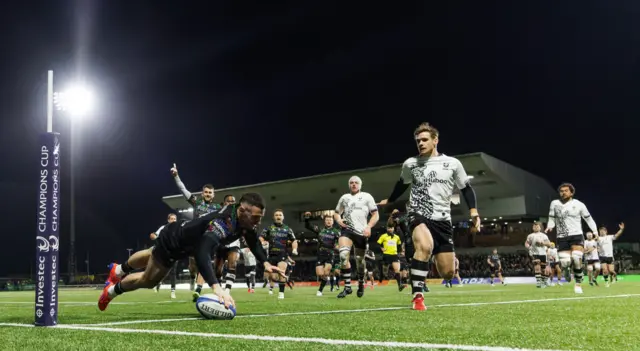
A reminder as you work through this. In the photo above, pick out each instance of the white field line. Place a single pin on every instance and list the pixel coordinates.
(366, 309)
(388, 344)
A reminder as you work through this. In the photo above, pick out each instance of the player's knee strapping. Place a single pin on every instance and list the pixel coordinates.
(597, 266)
(565, 259)
(576, 257)
(344, 254)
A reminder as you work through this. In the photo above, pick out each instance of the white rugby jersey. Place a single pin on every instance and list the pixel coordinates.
(249, 258)
(552, 254)
(535, 239)
(605, 245)
(356, 209)
(593, 255)
(432, 180)
(567, 218)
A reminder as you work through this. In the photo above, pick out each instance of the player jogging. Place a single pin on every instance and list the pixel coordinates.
(554, 265)
(605, 248)
(432, 177)
(495, 266)
(277, 235)
(537, 243)
(327, 241)
(593, 260)
(198, 238)
(351, 214)
(565, 216)
(249, 269)
(369, 263)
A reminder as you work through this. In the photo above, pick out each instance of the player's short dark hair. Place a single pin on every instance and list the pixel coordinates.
(391, 225)
(602, 227)
(327, 216)
(227, 196)
(172, 214)
(567, 185)
(253, 199)
(537, 223)
(207, 186)
(278, 210)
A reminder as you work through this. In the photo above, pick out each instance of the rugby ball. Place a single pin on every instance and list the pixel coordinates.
(210, 307)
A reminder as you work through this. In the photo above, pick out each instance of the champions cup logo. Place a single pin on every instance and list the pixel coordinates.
(54, 242)
(43, 244)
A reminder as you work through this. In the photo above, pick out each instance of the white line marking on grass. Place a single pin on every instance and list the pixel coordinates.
(390, 344)
(362, 310)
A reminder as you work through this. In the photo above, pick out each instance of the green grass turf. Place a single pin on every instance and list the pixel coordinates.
(554, 324)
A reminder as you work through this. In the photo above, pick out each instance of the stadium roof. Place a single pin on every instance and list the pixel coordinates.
(493, 179)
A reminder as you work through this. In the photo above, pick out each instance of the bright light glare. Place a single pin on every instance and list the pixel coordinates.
(77, 101)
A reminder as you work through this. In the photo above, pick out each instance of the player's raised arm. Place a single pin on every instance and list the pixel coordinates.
(308, 225)
(584, 213)
(617, 235)
(186, 193)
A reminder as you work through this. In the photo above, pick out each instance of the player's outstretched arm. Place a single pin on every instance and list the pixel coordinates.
(183, 189)
(617, 235)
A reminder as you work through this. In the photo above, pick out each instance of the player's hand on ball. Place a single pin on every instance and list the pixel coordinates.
(174, 171)
(228, 300)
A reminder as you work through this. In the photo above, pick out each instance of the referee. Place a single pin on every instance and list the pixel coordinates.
(389, 242)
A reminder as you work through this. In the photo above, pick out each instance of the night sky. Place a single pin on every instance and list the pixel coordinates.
(238, 94)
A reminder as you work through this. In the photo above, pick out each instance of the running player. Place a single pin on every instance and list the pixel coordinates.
(554, 265)
(537, 243)
(369, 262)
(495, 266)
(249, 269)
(351, 215)
(593, 260)
(170, 219)
(199, 238)
(335, 276)
(389, 242)
(277, 235)
(605, 248)
(565, 215)
(201, 205)
(327, 241)
(432, 177)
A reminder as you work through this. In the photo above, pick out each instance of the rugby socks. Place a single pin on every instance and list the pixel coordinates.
(606, 278)
(123, 269)
(253, 279)
(538, 280)
(346, 276)
(247, 277)
(332, 281)
(337, 279)
(323, 282)
(230, 278)
(419, 270)
(198, 288)
(281, 286)
(115, 290)
(398, 279)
